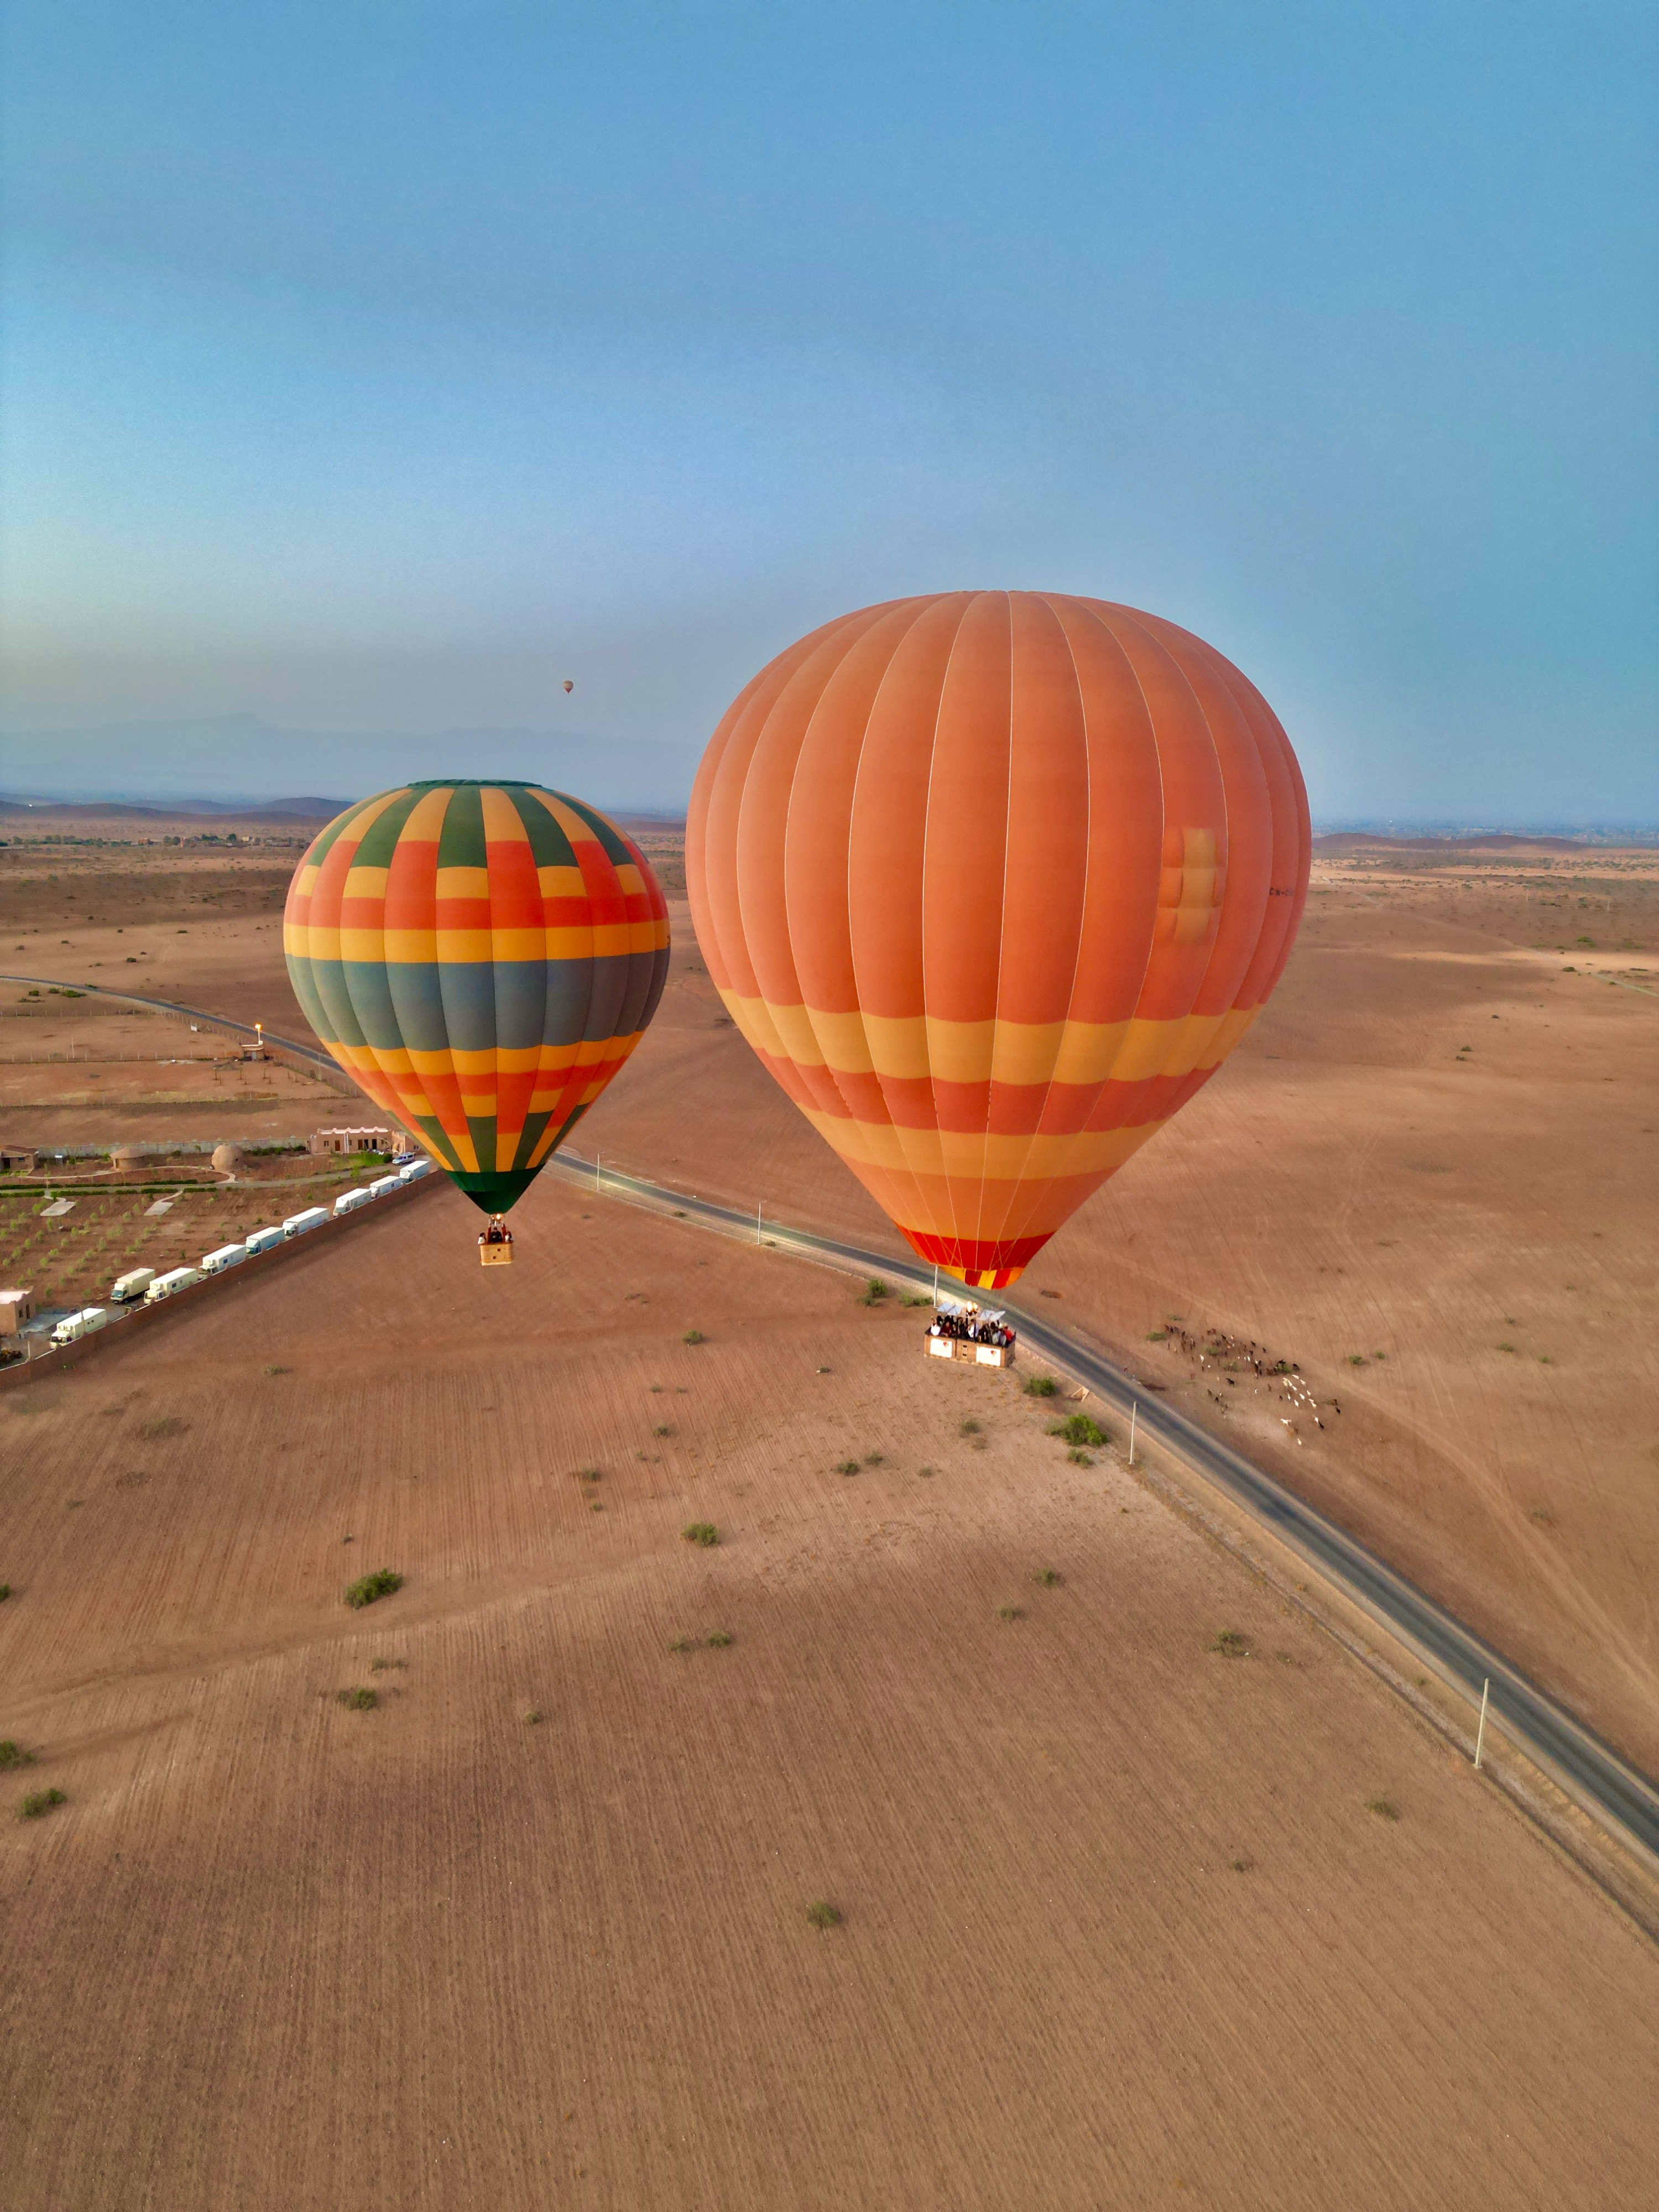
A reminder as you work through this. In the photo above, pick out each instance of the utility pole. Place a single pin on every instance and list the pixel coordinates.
(757, 1221)
(1480, 1733)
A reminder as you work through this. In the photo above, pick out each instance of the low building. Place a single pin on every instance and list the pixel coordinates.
(16, 1307)
(352, 1141)
(16, 1158)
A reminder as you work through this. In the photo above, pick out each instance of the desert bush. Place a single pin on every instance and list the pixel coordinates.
(926, 1471)
(684, 1644)
(368, 1588)
(846, 1466)
(704, 1533)
(823, 1914)
(532, 1716)
(275, 1368)
(1157, 1335)
(721, 1638)
(970, 1427)
(1049, 1577)
(1078, 1428)
(38, 1802)
(1009, 1612)
(873, 1459)
(693, 1336)
(1079, 1457)
(663, 1429)
(166, 1424)
(1242, 1865)
(1040, 1386)
(358, 1700)
(1230, 1643)
(874, 1291)
(5, 1592)
(380, 1666)
(1382, 1808)
(10, 1755)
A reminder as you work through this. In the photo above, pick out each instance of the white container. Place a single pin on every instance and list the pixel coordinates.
(132, 1285)
(93, 1318)
(262, 1241)
(165, 1287)
(69, 1330)
(386, 1184)
(227, 1255)
(297, 1223)
(349, 1202)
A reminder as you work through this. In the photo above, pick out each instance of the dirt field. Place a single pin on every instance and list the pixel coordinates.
(1125, 1920)
(1432, 1157)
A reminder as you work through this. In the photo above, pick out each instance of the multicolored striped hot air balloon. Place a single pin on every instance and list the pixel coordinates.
(993, 882)
(481, 959)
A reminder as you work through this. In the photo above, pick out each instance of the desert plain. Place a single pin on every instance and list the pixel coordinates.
(1148, 1891)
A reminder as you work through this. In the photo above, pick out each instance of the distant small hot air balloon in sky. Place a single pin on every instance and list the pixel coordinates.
(481, 959)
(569, 685)
(993, 882)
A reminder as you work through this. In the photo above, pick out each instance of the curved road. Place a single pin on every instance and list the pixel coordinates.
(1590, 1770)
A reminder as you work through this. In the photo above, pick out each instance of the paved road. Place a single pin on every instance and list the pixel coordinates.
(1593, 1773)
(310, 1052)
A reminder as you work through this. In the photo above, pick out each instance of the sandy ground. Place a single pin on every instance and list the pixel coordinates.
(1434, 1155)
(1120, 1925)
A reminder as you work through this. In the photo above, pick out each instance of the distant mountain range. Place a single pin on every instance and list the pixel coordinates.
(230, 764)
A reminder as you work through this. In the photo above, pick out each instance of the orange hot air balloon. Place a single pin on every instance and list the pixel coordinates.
(993, 882)
(569, 685)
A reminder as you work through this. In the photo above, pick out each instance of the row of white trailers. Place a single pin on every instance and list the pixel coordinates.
(142, 1285)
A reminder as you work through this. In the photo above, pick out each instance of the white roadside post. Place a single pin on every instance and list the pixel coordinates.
(1480, 1733)
(1134, 1409)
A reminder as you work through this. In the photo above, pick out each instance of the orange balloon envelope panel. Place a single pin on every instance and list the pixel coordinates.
(481, 959)
(993, 882)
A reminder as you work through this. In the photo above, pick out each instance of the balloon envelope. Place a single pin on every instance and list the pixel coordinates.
(481, 959)
(993, 882)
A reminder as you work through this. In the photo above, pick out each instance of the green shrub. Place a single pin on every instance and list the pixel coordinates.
(1157, 1335)
(846, 1466)
(823, 1914)
(873, 1459)
(1048, 1578)
(721, 1638)
(1009, 1612)
(970, 1427)
(704, 1533)
(1040, 1386)
(358, 1700)
(167, 1426)
(874, 1291)
(5, 1592)
(368, 1588)
(533, 1718)
(693, 1336)
(39, 1801)
(1077, 1430)
(684, 1644)
(11, 1756)
(1382, 1808)
(663, 1429)
(1230, 1643)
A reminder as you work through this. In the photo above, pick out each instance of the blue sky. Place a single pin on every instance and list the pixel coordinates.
(371, 368)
